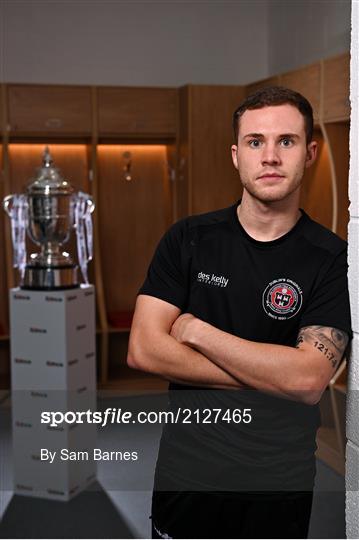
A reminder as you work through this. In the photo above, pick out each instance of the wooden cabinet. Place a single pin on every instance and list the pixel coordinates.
(4, 303)
(4, 242)
(134, 209)
(140, 112)
(4, 322)
(71, 159)
(49, 110)
(2, 106)
(133, 215)
(306, 81)
(336, 78)
(325, 186)
(207, 178)
(258, 85)
(337, 138)
(317, 196)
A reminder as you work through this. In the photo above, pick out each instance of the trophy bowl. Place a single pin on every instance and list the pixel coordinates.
(50, 221)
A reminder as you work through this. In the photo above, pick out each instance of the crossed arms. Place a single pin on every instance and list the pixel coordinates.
(184, 349)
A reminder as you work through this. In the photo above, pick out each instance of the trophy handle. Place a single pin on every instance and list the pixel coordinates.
(16, 208)
(8, 200)
(83, 208)
(90, 205)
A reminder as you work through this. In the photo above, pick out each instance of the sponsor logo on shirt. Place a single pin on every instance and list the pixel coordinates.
(212, 279)
(282, 299)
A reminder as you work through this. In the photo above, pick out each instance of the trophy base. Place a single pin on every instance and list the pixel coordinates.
(45, 278)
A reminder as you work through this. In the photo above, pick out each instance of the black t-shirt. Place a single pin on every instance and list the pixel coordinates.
(209, 266)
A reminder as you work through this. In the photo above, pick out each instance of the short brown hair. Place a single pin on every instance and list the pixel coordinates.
(272, 96)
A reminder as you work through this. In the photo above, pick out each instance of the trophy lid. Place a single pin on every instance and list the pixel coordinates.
(49, 180)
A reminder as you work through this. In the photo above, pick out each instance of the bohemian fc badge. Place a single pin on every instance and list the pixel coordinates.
(282, 299)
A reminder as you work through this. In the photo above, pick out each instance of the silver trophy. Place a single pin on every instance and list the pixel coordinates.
(48, 212)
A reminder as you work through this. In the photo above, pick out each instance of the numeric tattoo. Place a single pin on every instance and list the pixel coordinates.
(331, 342)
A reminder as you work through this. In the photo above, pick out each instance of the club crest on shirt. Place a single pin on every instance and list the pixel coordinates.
(282, 299)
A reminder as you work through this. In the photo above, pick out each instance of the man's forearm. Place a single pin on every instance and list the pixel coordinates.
(266, 367)
(278, 369)
(162, 355)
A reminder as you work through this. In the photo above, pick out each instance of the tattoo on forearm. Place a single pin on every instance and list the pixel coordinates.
(329, 341)
(339, 339)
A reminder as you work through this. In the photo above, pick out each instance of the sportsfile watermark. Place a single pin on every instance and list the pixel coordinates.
(113, 415)
(87, 432)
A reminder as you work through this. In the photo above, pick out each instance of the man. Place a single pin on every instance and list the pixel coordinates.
(245, 310)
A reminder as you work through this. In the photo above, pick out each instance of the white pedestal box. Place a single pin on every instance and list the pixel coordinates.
(53, 368)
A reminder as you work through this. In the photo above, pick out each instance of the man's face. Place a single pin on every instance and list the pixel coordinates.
(272, 152)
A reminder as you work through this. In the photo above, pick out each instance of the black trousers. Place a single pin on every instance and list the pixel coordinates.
(231, 515)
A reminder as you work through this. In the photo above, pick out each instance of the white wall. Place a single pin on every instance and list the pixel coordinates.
(352, 475)
(303, 31)
(146, 43)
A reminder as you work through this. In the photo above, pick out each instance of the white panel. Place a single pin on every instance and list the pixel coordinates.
(354, 154)
(353, 259)
(80, 338)
(52, 369)
(352, 491)
(354, 126)
(353, 393)
(352, 471)
(53, 477)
